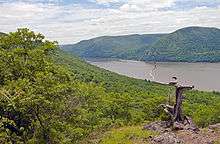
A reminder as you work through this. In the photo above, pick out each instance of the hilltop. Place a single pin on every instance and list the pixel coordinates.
(190, 44)
(112, 46)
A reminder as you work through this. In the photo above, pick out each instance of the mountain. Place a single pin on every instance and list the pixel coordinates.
(112, 46)
(49, 96)
(190, 44)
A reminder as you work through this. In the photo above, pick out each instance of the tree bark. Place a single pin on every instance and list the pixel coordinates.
(178, 116)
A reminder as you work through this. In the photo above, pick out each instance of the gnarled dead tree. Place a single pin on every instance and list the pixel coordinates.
(178, 116)
(177, 121)
(176, 112)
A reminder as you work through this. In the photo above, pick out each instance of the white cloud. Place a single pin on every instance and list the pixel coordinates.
(72, 23)
(106, 1)
(130, 7)
(146, 5)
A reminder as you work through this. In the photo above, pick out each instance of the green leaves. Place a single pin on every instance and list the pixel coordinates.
(47, 96)
(31, 84)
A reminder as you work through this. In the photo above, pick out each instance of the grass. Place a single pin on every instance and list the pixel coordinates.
(127, 135)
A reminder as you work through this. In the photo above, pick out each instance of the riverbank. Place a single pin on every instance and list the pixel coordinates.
(204, 76)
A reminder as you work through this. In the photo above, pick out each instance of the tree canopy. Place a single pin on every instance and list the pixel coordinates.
(48, 96)
(32, 87)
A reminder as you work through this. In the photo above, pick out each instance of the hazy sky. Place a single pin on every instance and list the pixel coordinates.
(69, 21)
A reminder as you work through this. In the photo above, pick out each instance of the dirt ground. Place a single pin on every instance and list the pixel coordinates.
(205, 136)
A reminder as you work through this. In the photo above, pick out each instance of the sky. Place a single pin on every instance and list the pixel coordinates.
(70, 21)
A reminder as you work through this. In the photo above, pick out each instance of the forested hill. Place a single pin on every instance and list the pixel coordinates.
(112, 46)
(191, 44)
(48, 96)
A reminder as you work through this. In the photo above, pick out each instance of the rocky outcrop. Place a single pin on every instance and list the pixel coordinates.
(166, 138)
(183, 134)
(158, 126)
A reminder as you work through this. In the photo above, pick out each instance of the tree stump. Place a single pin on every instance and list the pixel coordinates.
(178, 116)
(176, 112)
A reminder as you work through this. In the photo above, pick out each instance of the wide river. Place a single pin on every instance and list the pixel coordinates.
(204, 76)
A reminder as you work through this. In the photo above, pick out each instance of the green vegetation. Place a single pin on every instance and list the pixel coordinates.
(48, 96)
(112, 46)
(127, 135)
(34, 91)
(203, 107)
(191, 44)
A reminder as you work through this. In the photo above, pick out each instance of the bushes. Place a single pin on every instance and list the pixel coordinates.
(48, 96)
(34, 90)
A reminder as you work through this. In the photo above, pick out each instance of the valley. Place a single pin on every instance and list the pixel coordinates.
(205, 76)
(51, 96)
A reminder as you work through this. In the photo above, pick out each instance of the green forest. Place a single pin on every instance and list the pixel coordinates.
(190, 44)
(49, 96)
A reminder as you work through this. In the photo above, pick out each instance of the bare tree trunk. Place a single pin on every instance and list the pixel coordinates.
(178, 106)
(177, 119)
(178, 116)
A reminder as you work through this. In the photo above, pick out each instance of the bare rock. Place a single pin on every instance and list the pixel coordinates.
(166, 138)
(189, 125)
(159, 126)
(215, 127)
(178, 126)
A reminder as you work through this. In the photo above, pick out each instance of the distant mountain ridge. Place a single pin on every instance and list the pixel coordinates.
(112, 46)
(190, 44)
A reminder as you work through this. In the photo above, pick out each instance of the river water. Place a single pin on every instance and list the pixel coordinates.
(204, 76)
